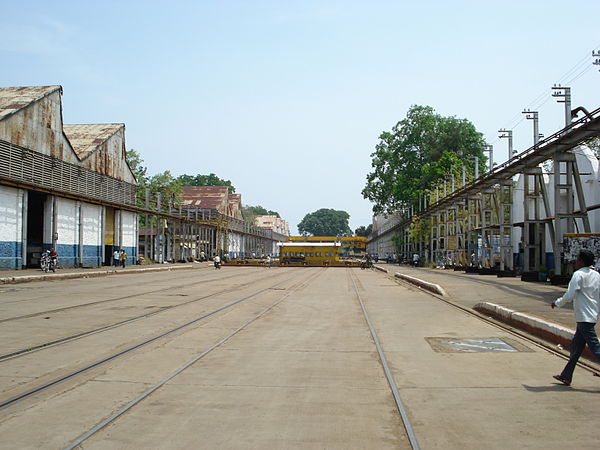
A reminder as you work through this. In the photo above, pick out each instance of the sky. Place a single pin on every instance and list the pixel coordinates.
(287, 99)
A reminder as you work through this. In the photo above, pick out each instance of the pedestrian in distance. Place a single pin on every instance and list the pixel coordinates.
(123, 258)
(217, 262)
(268, 261)
(116, 257)
(584, 292)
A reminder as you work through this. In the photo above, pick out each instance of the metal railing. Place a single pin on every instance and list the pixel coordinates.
(23, 165)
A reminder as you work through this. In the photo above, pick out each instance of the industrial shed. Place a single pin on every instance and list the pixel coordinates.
(62, 186)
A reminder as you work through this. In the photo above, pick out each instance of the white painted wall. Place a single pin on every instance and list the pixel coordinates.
(11, 227)
(67, 221)
(92, 224)
(128, 229)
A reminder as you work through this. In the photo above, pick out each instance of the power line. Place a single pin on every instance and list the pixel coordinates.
(544, 97)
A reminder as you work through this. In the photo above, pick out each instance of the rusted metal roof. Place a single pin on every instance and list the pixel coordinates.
(206, 197)
(87, 138)
(235, 201)
(13, 99)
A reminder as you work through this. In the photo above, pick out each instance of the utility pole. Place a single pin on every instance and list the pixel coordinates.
(534, 115)
(596, 54)
(488, 148)
(565, 93)
(508, 134)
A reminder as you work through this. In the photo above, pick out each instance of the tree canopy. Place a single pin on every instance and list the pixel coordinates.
(166, 183)
(204, 180)
(259, 211)
(419, 152)
(163, 182)
(364, 231)
(325, 222)
(250, 212)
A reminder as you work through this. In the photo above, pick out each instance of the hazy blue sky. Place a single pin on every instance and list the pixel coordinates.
(287, 99)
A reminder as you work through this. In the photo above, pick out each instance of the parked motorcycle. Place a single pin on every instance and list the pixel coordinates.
(47, 262)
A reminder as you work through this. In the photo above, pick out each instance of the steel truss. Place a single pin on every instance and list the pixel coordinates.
(474, 225)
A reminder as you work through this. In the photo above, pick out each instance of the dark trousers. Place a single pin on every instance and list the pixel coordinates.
(585, 334)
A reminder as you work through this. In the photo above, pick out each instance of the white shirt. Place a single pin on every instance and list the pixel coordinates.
(584, 290)
(116, 255)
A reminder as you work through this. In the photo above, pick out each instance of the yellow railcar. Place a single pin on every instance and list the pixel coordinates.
(309, 253)
(358, 242)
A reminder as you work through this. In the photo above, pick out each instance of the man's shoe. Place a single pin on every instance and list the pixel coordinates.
(562, 380)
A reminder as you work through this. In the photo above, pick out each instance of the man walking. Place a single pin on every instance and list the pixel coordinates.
(116, 257)
(123, 258)
(584, 291)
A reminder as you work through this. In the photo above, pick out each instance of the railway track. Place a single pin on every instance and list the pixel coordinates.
(29, 393)
(537, 342)
(140, 398)
(113, 299)
(71, 338)
(410, 433)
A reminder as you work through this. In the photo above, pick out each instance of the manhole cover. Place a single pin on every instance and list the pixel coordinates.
(475, 345)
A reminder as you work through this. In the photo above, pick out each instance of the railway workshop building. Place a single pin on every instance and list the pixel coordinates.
(62, 186)
(229, 234)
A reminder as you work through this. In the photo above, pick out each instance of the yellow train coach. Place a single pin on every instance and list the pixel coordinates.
(358, 242)
(309, 253)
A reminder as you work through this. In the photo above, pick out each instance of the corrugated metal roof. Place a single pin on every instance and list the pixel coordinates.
(86, 138)
(205, 197)
(12, 99)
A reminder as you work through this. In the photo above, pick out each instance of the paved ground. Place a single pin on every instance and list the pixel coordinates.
(305, 374)
(469, 289)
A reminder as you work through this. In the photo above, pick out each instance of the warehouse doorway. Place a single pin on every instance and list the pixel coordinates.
(109, 235)
(35, 227)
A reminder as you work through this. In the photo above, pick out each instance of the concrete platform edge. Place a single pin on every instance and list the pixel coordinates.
(381, 269)
(549, 331)
(431, 287)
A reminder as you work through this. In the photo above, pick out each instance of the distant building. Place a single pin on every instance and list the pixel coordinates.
(62, 186)
(232, 236)
(274, 223)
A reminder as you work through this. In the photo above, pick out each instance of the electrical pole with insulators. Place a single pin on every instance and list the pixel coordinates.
(488, 148)
(564, 93)
(507, 134)
(534, 115)
(596, 54)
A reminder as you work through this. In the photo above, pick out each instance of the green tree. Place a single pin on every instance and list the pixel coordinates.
(168, 185)
(136, 162)
(398, 242)
(204, 180)
(417, 153)
(325, 222)
(164, 182)
(364, 231)
(250, 212)
(260, 211)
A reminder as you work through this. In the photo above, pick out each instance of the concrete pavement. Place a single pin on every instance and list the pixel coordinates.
(305, 375)
(28, 275)
(523, 305)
